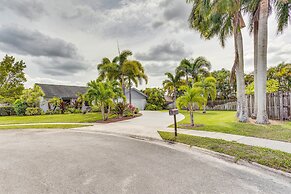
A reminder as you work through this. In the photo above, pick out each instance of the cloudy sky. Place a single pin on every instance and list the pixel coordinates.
(63, 41)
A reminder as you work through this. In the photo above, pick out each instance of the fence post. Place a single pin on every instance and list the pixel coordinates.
(281, 106)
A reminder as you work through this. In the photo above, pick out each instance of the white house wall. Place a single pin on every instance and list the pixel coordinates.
(44, 104)
(137, 100)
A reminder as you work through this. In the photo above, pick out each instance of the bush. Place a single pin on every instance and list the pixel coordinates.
(7, 111)
(153, 107)
(127, 113)
(33, 111)
(95, 109)
(136, 111)
(51, 112)
(120, 109)
(20, 107)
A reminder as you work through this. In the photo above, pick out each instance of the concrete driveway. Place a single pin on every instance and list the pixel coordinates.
(146, 125)
(65, 161)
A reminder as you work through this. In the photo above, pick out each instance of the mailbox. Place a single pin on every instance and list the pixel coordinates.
(173, 112)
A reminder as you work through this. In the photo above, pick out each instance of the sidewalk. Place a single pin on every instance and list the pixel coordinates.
(253, 141)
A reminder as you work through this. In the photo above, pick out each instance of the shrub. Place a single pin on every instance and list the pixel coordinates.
(20, 107)
(7, 111)
(136, 111)
(153, 107)
(127, 113)
(51, 112)
(120, 109)
(95, 109)
(33, 111)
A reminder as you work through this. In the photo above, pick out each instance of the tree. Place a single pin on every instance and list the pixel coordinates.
(55, 102)
(133, 72)
(155, 98)
(12, 79)
(272, 86)
(208, 86)
(192, 97)
(281, 73)
(173, 83)
(32, 96)
(223, 18)
(197, 68)
(259, 11)
(102, 94)
(112, 70)
(225, 89)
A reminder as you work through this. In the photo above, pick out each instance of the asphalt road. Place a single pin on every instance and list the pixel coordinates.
(80, 162)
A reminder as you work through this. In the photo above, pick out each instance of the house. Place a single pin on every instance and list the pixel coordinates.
(67, 93)
(138, 99)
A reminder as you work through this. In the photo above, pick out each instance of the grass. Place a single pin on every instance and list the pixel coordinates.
(264, 156)
(43, 126)
(61, 118)
(225, 122)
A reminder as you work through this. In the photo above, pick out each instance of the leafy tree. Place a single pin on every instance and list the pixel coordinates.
(20, 107)
(102, 94)
(281, 73)
(173, 83)
(32, 96)
(208, 86)
(225, 89)
(133, 72)
(192, 98)
(155, 97)
(272, 86)
(12, 79)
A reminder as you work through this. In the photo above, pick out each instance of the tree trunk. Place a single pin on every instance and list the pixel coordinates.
(103, 112)
(123, 88)
(129, 92)
(256, 28)
(175, 97)
(243, 116)
(262, 117)
(204, 108)
(192, 118)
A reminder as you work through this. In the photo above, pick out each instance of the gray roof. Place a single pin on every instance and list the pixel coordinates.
(137, 91)
(62, 91)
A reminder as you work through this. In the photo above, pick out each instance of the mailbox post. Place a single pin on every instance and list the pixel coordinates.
(174, 112)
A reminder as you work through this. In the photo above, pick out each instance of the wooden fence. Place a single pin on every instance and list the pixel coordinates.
(278, 105)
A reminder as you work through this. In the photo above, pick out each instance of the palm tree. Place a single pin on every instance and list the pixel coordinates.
(208, 86)
(102, 94)
(259, 11)
(173, 83)
(133, 72)
(192, 97)
(112, 70)
(223, 18)
(195, 68)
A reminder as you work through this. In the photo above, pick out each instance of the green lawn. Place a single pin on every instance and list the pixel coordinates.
(268, 157)
(43, 126)
(61, 118)
(225, 122)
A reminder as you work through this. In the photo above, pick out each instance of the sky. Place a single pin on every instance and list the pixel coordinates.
(62, 42)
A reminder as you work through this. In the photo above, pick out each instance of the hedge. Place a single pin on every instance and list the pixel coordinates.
(7, 111)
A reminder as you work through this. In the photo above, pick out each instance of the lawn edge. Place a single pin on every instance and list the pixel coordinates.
(229, 158)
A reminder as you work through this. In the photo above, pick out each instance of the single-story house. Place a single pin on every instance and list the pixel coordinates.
(138, 99)
(69, 95)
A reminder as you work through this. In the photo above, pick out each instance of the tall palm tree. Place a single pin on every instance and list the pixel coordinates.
(223, 18)
(173, 83)
(191, 98)
(208, 86)
(112, 70)
(133, 72)
(259, 11)
(195, 68)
